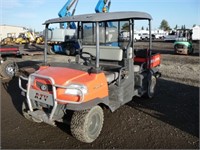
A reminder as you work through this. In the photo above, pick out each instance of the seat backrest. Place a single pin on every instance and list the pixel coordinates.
(106, 52)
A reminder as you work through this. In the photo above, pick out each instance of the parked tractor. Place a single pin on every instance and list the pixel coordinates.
(102, 75)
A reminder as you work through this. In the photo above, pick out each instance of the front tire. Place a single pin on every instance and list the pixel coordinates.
(86, 125)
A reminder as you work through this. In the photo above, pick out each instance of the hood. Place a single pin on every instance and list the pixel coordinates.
(63, 76)
(183, 43)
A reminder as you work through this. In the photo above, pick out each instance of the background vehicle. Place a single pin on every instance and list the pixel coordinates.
(137, 36)
(171, 37)
(8, 68)
(63, 40)
(183, 44)
(101, 75)
(7, 41)
(103, 6)
(125, 35)
(21, 39)
(144, 36)
(196, 33)
(160, 35)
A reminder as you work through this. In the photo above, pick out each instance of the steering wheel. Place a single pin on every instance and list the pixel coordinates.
(87, 57)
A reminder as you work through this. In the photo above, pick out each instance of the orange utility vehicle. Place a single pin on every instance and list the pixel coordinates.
(102, 75)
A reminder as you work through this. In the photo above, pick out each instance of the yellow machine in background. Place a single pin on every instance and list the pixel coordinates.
(39, 40)
(7, 41)
(23, 38)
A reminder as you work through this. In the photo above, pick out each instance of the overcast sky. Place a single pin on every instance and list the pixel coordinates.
(32, 13)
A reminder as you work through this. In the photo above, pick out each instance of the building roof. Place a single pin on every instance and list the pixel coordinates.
(99, 17)
(5, 25)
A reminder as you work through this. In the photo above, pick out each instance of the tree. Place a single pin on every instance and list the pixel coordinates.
(183, 27)
(164, 25)
(176, 27)
(142, 28)
(125, 27)
(147, 29)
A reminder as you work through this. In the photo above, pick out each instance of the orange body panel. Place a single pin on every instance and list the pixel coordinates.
(95, 83)
(155, 60)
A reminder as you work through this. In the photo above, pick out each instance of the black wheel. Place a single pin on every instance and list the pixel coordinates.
(8, 69)
(86, 125)
(190, 51)
(26, 115)
(70, 52)
(175, 49)
(151, 87)
(50, 50)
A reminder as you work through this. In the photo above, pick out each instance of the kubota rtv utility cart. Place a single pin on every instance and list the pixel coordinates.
(108, 71)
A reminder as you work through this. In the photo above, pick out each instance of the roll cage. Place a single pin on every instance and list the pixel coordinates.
(98, 19)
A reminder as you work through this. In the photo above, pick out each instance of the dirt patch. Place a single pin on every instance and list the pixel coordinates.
(170, 120)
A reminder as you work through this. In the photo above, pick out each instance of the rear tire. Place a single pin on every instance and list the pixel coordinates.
(86, 125)
(151, 87)
(70, 50)
(8, 69)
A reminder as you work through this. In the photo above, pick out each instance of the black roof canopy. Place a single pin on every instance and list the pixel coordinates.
(100, 17)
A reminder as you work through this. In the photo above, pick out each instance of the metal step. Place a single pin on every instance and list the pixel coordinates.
(114, 105)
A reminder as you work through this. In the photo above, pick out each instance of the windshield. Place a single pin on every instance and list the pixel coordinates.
(108, 35)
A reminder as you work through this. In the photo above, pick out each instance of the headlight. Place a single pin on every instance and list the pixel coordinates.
(76, 89)
(32, 78)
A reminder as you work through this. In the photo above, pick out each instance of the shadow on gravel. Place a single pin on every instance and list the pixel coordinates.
(174, 103)
(14, 91)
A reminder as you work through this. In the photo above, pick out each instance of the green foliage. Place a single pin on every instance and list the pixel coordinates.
(183, 27)
(176, 27)
(125, 27)
(164, 25)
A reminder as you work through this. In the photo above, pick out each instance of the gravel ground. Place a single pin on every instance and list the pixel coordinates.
(169, 121)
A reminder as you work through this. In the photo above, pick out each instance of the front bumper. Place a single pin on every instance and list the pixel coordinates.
(181, 51)
(45, 98)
